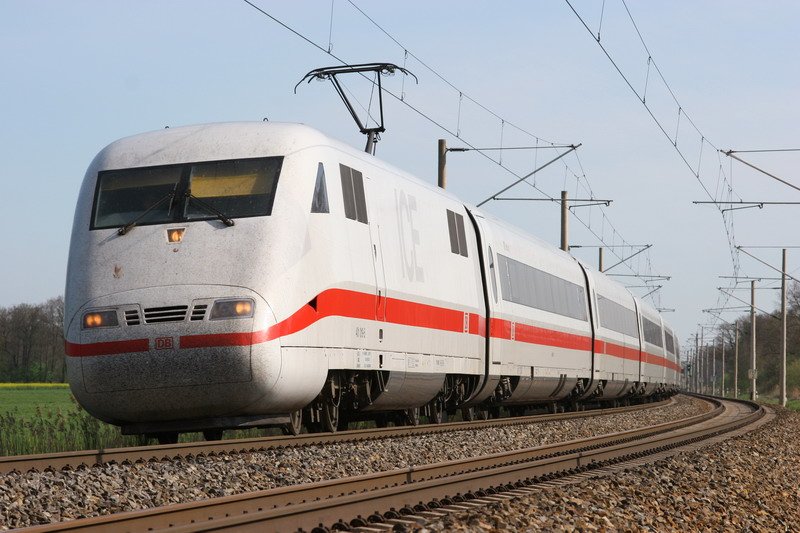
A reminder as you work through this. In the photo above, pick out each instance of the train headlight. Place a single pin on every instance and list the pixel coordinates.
(175, 235)
(100, 319)
(240, 308)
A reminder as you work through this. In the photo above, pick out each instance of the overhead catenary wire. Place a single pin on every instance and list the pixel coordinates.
(727, 187)
(503, 121)
(633, 89)
(400, 98)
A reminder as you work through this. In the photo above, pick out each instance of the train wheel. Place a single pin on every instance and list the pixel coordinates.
(330, 417)
(332, 396)
(468, 414)
(411, 416)
(169, 437)
(212, 434)
(295, 424)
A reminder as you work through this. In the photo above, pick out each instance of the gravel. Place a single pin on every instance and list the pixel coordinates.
(747, 483)
(40, 498)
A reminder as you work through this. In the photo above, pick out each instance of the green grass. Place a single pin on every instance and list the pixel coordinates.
(794, 405)
(42, 418)
(45, 418)
(27, 399)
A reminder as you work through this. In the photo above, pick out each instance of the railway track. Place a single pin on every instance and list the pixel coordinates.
(381, 500)
(75, 459)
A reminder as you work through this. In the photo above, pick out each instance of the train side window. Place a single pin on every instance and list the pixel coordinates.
(361, 201)
(347, 192)
(616, 317)
(670, 341)
(451, 226)
(458, 237)
(492, 274)
(355, 204)
(531, 287)
(652, 332)
(462, 236)
(319, 204)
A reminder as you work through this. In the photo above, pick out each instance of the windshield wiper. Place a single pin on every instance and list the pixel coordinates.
(129, 226)
(209, 208)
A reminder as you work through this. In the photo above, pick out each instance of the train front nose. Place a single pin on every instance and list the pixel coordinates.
(163, 354)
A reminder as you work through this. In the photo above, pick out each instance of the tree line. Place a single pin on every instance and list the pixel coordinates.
(768, 348)
(32, 342)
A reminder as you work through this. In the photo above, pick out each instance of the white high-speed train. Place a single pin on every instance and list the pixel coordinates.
(248, 274)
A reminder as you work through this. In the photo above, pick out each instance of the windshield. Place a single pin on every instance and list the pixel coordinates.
(237, 188)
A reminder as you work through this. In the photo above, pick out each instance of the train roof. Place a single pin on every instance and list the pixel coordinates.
(224, 140)
(227, 140)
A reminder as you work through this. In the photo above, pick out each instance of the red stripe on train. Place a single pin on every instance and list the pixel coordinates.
(501, 329)
(106, 348)
(352, 304)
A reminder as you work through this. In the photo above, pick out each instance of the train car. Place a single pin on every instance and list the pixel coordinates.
(617, 340)
(674, 371)
(540, 334)
(251, 274)
(656, 361)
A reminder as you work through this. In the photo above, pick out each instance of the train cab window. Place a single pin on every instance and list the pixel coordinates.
(458, 237)
(319, 204)
(355, 204)
(190, 191)
(236, 188)
(125, 195)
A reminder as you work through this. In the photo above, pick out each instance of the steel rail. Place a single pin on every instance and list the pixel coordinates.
(74, 459)
(309, 505)
(444, 490)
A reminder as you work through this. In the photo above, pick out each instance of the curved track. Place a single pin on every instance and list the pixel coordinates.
(57, 461)
(422, 492)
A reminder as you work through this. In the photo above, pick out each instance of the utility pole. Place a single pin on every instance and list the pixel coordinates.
(714, 369)
(753, 370)
(736, 363)
(783, 330)
(723, 364)
(600, 259)
(564, 222)
(702, 365)
(695, 368)
(442, 163)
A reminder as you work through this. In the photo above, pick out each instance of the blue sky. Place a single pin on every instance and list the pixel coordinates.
(78, 75)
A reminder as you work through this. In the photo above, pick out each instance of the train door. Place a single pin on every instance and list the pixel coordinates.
(591, 296)
(377, 249)
(640, 346)
(491, 282)
(492, 298)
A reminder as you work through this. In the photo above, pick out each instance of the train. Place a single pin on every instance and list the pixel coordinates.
(237, 275)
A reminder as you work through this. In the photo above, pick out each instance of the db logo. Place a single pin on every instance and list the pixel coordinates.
(164, 343)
